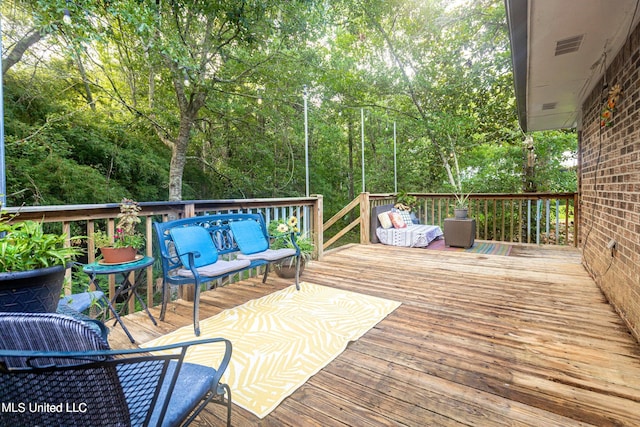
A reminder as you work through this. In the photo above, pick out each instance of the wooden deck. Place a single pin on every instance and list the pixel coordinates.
(479, 340)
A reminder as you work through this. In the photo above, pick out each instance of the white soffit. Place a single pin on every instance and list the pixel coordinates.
(567, 43)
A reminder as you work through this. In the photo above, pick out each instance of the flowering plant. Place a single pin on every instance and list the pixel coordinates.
(125, 234)
(284, 232)
(606, 117)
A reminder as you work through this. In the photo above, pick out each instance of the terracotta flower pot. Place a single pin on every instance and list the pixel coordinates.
(111, 255)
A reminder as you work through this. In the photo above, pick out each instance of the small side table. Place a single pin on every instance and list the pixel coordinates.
(459, 232)
(127, 287)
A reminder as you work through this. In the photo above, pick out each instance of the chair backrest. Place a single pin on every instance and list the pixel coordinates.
(54, 390)
(250, 237)
(194, 239)
(47, 332)
(216, 225)
(54, 370)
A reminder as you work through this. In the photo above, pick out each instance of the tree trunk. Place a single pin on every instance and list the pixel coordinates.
(189, 108)
(85, 79)
(179, 158)
(19, 49)
(529, 181)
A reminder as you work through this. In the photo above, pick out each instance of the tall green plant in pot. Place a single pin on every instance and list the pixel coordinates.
(461, 209)
(32, 265)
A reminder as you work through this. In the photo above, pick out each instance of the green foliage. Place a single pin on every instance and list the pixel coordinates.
(25, 246)
(222, 90)
(406, 199)
(284, 232)
(555, 153)
(76, 157)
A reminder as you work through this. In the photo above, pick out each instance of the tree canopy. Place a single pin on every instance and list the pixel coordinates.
(201, 99)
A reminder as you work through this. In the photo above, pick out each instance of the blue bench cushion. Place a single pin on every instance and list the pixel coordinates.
(193, 384)
(219, 268)
(194, 239)
(269, 254)
(249, 236)
(82, 301)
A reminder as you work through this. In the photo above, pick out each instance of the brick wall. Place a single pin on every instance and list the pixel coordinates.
(609, 186)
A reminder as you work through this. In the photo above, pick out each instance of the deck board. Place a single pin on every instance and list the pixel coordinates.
(520, 340)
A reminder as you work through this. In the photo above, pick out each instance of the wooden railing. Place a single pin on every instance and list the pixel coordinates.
(542, 218)
(83, 220)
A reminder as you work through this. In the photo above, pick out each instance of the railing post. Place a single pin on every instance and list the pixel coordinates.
(187, 292)
(66, 229)
(365, 218)
(189, 210)
(318, 220)
(149, 252)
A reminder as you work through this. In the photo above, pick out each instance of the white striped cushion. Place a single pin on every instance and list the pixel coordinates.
(218, 268)
(269, 254)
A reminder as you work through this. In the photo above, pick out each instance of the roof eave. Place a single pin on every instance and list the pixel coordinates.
(518, 21)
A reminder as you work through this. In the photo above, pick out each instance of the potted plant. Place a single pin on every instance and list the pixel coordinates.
(460, 231)
(32, 265)
(405, 201)
(461, 209)
(281, 233)
(126, 240)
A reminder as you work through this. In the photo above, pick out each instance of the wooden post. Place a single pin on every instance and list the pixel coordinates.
(66, 229)
(111, 227)
(189, 211)
(187, 292)
(318, 229)
(365, 218)
(91, 243)
(149, 252)
(91, 247)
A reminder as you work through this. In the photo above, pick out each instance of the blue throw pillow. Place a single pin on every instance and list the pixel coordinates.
(249, 236)
(190, 239)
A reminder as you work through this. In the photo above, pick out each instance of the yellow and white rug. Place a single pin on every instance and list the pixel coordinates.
(282, 339)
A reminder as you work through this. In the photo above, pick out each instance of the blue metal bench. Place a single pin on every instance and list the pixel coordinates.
(203, 249)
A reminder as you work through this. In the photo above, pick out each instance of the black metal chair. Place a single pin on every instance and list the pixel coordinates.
(55, 370)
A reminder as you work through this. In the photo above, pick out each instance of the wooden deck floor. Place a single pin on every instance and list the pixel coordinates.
(479, 340)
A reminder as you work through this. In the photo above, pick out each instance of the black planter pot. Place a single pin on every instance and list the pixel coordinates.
(33, 291)
(461, 213)
(286, 268)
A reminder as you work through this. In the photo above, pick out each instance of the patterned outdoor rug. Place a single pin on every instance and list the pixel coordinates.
(282, 339)
(489, 248)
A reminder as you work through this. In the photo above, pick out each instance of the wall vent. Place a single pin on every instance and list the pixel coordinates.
(572, 44)
(549, 106)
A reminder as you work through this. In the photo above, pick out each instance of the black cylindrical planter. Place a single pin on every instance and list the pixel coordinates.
(32, 291)
(286, 268)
